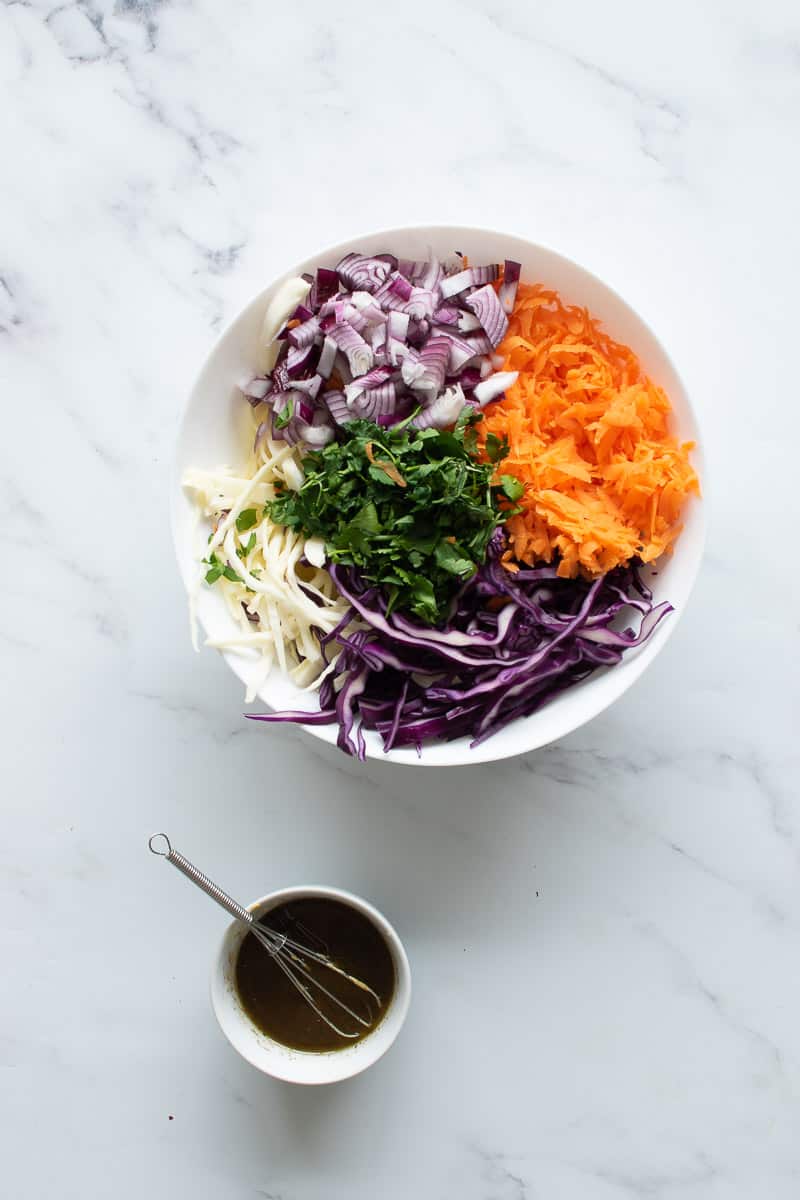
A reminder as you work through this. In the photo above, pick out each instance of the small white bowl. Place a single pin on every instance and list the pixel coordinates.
(213, 431)
(300, 1066)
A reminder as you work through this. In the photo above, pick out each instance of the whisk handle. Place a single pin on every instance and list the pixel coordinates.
(198, 878)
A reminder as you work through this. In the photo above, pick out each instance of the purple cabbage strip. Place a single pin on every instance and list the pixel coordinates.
(513, 642)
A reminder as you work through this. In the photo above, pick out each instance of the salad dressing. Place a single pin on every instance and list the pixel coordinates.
(272, 1001)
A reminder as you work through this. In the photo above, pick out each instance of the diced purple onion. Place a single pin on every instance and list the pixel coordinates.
(368, 306)
(468, 322)
(256, 389)
(479, 342)
(489, 311)
(300, 359)
(431, 276)
(384, 326)
(494, 386)
(325, 285)
(372, 379)
(451, 285)
(359, 355)
(303, 410)
(361, 273)
(508, 288)
(315, 436)
(445, 314)
(461, 351)
(337, 406)
(377, 402)
(394, 292)
(303, 335)
(469, 377)
(420, 304)
(309, 386)
(433, 359)
(443, 411)
(327, 357)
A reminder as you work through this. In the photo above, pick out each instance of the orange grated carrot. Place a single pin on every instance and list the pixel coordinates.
(589, 437)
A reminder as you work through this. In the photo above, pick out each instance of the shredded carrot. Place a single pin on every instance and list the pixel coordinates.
(589, 437)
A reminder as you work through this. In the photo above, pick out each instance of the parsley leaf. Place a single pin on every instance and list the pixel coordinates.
(243, 551)
(512, 487)
(413, 510)
(246, 519)
(495, 448)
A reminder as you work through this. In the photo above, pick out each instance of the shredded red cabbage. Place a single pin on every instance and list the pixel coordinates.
(513, 641)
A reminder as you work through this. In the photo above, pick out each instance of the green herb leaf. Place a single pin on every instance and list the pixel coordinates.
(246, 519)
(449, 559)
(512, 487)
(419, 541)
(213, 574)
(229, 573)
(495, 448)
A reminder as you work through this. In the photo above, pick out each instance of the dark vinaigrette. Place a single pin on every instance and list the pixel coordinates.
(275, 1005)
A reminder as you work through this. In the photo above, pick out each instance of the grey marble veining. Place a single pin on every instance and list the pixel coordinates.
(604, 934)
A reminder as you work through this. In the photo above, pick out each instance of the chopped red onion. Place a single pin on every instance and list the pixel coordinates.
(303, 335)
(451, 285)
(494, 386)
(489, 311)
(359, 355)
(327, 357)
(508, 288)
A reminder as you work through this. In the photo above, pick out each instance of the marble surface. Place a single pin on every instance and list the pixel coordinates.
(604, 934)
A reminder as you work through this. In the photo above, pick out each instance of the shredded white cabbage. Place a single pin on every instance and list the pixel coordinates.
(278, 602)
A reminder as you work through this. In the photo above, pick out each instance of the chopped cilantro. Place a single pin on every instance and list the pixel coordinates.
(495, 448)
(243, 551)
(246, 519)
(512, 487)
(414, 511)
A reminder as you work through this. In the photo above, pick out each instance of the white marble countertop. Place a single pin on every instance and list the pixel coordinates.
(604, 934)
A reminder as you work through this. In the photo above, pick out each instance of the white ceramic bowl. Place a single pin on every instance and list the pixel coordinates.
(299, 1066)
(213, 432)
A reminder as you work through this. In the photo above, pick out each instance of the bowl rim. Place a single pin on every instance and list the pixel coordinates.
(492, 749)
(273, 1058)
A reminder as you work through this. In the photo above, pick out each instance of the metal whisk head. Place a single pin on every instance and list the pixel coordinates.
(296, 960)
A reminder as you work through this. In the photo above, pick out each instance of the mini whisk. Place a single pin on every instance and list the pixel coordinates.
(293, 958)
